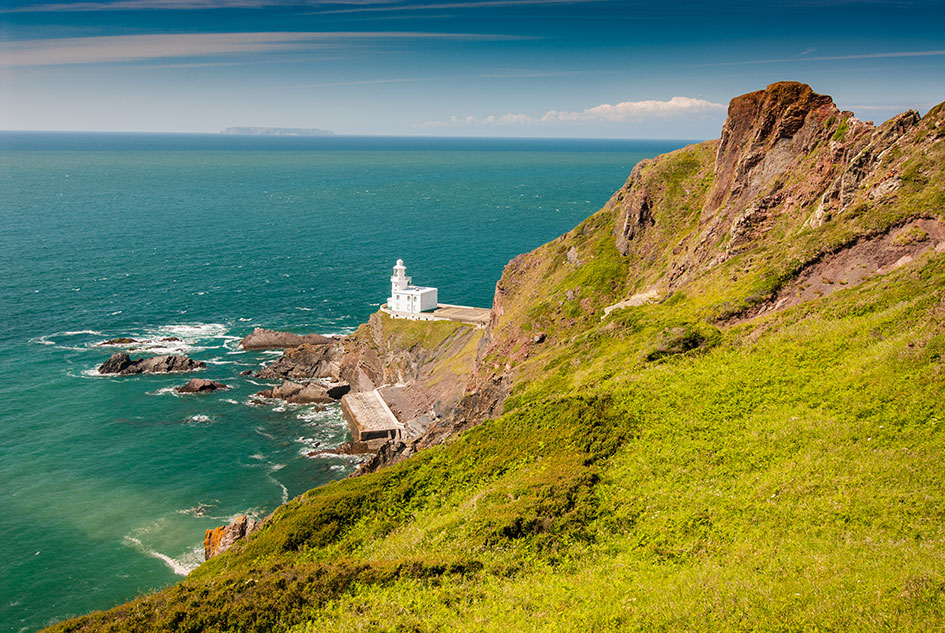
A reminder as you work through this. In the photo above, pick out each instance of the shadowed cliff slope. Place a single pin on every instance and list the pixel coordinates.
(717, 404)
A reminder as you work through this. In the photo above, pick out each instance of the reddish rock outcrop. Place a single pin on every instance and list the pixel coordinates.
(218, 540)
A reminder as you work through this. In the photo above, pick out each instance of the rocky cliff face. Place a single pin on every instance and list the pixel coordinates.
(788, 160)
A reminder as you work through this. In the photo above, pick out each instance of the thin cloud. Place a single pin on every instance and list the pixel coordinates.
(620, 112)
(456, 5)
(125, 48)
(401, 80)
(832, 58)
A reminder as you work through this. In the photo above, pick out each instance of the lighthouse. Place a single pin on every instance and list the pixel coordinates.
(405, 297)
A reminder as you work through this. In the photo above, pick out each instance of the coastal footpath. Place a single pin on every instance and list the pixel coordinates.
(716, 404)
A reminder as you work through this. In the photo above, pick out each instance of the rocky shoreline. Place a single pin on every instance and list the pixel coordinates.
(426, 385)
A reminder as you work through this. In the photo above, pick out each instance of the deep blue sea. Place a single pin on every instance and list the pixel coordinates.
(107, 484)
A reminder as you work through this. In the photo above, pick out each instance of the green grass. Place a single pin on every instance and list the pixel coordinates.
(654, 470)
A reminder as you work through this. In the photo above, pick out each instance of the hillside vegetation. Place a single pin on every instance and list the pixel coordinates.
(725, 412)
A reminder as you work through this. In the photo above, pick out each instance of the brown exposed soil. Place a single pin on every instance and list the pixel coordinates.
(858, 262)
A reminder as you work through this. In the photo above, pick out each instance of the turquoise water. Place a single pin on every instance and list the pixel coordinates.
(107, 484)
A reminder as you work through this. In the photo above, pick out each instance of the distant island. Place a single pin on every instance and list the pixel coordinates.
(277, 131)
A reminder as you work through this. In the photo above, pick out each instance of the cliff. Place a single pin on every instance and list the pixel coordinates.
(715, 404)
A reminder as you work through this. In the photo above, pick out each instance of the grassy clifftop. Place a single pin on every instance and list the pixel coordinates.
(750, 439)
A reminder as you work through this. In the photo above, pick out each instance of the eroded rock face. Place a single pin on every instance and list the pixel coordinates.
(636, 212)
(121, 364)
(271, 339)
(218, 540)
(199, 385)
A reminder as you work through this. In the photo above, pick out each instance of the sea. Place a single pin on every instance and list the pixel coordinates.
(186, 243)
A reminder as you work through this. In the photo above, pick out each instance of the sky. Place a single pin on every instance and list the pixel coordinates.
(508, 68)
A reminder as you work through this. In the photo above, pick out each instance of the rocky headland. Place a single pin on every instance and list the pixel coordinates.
(261, 338)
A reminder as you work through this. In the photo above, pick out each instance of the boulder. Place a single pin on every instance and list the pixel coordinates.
(311, 394)
(218, 540)
(124, 365)
(270, 339)
(199, 385)
(298, 394)
(246, 372)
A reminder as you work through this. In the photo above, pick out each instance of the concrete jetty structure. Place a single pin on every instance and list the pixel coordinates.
(369, 418)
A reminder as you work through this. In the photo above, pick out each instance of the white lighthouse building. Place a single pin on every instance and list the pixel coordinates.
(405, 297)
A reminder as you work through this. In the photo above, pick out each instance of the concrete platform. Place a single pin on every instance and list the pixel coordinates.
(465, 314)
(369, 417)
(446, 312)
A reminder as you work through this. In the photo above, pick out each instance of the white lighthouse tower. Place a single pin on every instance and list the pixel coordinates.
(405, 297)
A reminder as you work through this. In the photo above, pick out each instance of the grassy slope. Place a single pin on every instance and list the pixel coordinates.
(783, 475)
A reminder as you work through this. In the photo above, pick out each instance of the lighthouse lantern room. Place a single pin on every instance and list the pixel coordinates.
(405, 297)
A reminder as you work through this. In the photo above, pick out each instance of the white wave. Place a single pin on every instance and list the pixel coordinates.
(271, 352)
(50, 339)
(285, 491)
(354, 459)
(91, 373)
(257, 456)
(276, 467)
(263, 433)
(163, 391)
(218, 361)
(242, 320)
(200, 418)
(196, 330)
(345, 331)
(115, 312)
(303, 309)
(230, 400)
(180, 566)
(200, 510)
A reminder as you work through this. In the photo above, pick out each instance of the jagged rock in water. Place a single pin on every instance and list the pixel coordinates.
(121, 340)
(199, 385)
(218, 540)
(123, 365)
(305, 362)
(270, 339)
